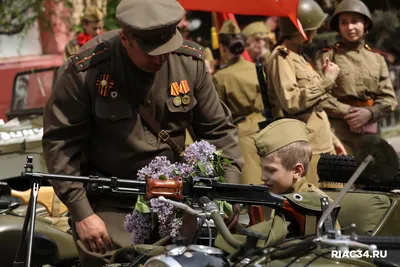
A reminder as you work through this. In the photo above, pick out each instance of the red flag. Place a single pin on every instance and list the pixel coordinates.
(281, 8)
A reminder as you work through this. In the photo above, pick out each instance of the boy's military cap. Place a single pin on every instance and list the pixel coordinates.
(258, 27)
(278, 134)
(229, 27)
(92, 14)
(152, 23)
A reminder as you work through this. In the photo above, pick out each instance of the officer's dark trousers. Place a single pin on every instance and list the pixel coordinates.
(114, 221)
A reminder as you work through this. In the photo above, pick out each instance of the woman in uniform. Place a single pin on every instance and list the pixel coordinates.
(363, 86)
(296, 90)
(238, 88)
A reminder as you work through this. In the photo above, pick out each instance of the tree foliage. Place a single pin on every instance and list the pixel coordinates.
(16, 16)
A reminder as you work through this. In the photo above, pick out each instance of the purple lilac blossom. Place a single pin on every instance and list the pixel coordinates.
(166, 218)
(199, 151)
(184, 170)
(160, 165)
(139, 225)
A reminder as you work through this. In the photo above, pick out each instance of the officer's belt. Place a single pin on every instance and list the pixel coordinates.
(356, 102)
(157, 131)
(316, 108)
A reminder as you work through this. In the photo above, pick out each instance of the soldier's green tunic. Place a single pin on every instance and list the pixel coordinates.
(93, 126)
(296, 90)
(238, 88)
(363, 76)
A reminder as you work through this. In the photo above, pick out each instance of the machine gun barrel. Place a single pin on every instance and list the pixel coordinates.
(174, 188)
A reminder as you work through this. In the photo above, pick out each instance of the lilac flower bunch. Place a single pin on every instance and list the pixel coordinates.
(200, 159)
(159, 168)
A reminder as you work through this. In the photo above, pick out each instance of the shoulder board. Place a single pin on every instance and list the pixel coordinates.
(284, 51)
(190, 48)
(326, 49)
(90, 57)
(366, 46)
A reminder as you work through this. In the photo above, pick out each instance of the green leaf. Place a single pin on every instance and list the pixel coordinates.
(163, 177)
(201, 167)
(221, 179)
(142, 205)
(227, 161)
(220, 170)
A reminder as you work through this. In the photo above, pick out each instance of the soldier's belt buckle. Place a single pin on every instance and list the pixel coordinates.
(163, 135)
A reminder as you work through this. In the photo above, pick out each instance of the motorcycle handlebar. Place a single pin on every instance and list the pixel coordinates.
(383, 242)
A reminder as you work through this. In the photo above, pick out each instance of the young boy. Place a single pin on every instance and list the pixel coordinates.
(285, 156)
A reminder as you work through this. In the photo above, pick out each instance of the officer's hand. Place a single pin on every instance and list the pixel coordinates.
(93, 233)
(358, 117)
(331, 69)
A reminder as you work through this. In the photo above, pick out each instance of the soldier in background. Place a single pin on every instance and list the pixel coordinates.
(259, 40)
(363, 87)
(296, 90)
(238, 88)
(92, 24)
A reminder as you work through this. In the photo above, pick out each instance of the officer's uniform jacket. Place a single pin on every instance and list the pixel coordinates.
(296, 90)
(90, 121)
(237, 86)
(363, 81)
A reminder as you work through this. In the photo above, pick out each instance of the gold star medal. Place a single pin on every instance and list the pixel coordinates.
(186, 100)
(177, 101)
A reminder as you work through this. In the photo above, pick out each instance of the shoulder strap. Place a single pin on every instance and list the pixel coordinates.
(157, 131)
(190, 48)
(90, 57)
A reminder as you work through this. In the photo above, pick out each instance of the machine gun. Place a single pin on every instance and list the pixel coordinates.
(177, 189)
(265, 98)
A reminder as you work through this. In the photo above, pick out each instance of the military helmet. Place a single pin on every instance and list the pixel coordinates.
(355, 6)
(309, 13)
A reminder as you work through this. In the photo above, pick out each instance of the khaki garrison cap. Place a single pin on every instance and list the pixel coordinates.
(229, 27)
(152, 24)
(278, 134)
(92, 14)
(258, 27)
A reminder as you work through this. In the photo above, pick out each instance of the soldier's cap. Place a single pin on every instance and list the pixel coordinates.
(278, 134)
(256, 28)
(92, 14)
(229, 27)
(152, 23)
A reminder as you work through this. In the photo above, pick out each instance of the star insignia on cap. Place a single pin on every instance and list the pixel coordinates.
(162, 37)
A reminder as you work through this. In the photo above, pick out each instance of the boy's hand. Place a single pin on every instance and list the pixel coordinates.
(340, 150)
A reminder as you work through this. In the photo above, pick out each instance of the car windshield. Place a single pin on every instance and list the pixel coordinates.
(32, 89)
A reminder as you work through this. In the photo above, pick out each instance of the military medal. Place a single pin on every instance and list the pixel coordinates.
(104, 84)
(186, 100)
(177, 101)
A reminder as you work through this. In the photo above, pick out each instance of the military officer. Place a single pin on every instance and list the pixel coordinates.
(363, 86)
(238, 88)
(296, 90)
(92, 24)
(126, 97)
(259, 40)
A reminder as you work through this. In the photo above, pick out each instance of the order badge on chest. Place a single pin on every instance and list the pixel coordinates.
(179, 91)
